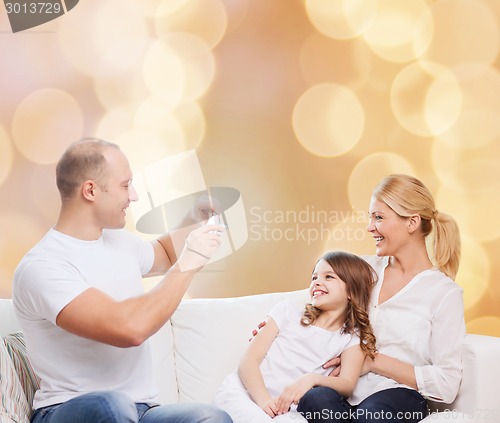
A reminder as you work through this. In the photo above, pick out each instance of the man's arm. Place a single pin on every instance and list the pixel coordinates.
(128, 323)
(164, 250)
(164, 256)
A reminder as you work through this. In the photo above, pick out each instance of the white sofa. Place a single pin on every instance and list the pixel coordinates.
(205, 338)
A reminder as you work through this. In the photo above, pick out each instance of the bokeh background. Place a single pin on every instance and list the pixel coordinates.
(301, 105)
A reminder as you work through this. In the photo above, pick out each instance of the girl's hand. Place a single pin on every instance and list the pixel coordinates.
(270, 407)
(294, 392)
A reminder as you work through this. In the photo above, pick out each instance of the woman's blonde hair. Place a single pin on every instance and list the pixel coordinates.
(359, 278)
(408, 196)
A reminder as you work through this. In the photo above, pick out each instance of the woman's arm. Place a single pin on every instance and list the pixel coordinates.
(392, 368)
(440, 380)
(352, 363)
(249, 367)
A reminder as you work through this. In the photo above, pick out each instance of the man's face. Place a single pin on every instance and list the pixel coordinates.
(115, 193)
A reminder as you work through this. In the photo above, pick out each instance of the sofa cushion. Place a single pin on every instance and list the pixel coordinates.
(210, 335)
(16, 347)
(162, 354)
(13, 404)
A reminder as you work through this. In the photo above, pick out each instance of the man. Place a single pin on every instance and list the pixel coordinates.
(78, 296)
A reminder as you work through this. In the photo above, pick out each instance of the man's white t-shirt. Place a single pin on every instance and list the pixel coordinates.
(50, 276)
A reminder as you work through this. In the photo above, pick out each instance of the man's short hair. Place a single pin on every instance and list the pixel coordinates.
(82, 161)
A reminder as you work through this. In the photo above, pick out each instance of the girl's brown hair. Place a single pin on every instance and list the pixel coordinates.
(359, 278)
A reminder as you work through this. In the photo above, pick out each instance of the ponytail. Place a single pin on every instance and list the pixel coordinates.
(446, 244)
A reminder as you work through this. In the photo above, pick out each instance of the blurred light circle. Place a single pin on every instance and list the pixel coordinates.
(164, 74)
(369, 172)
(484, 325)
(474, 271)
(143, 148)
(478, 123)
(127, 87)
(44, 191)
(324, 59)
(197, 61)
(153, 117)
(207, 19)
(192, 120)
(157, 8)
(342, 19)
(426, 99)
(6, 155)
(45, 123)
(465, 31)
(401, 30)
(167, 7)
(30, 63)
(473, 209)
(237, 12)
(470, 171)
(328, 120)
(116, 121)
(112, 45)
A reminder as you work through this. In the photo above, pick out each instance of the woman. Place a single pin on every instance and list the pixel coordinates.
(416, 312)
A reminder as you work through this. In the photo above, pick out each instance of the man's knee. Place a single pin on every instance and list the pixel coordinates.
(110, 407)
(211, 414)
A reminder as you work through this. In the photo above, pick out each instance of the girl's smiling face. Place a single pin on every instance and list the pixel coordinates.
(327, 290)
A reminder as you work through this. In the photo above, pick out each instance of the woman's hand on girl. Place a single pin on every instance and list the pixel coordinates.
(334, 364)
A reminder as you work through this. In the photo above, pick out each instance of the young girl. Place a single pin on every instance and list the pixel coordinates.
(285, 359)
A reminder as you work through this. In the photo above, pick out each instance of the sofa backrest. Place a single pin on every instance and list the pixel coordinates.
(8, 319)
(210, 335)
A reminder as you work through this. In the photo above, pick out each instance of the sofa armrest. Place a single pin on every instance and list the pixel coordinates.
(477, 399)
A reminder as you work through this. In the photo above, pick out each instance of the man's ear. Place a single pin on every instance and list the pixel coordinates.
(88, 190)
(414, 223)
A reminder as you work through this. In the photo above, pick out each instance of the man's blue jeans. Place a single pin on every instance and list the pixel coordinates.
(396, 405)
(114, 407)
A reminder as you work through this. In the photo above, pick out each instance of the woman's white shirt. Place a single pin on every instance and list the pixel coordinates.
(423, 324)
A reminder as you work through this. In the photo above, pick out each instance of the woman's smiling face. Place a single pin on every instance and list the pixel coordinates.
(388, 229)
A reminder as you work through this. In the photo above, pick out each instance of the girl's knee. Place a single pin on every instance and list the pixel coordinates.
(320, 398)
